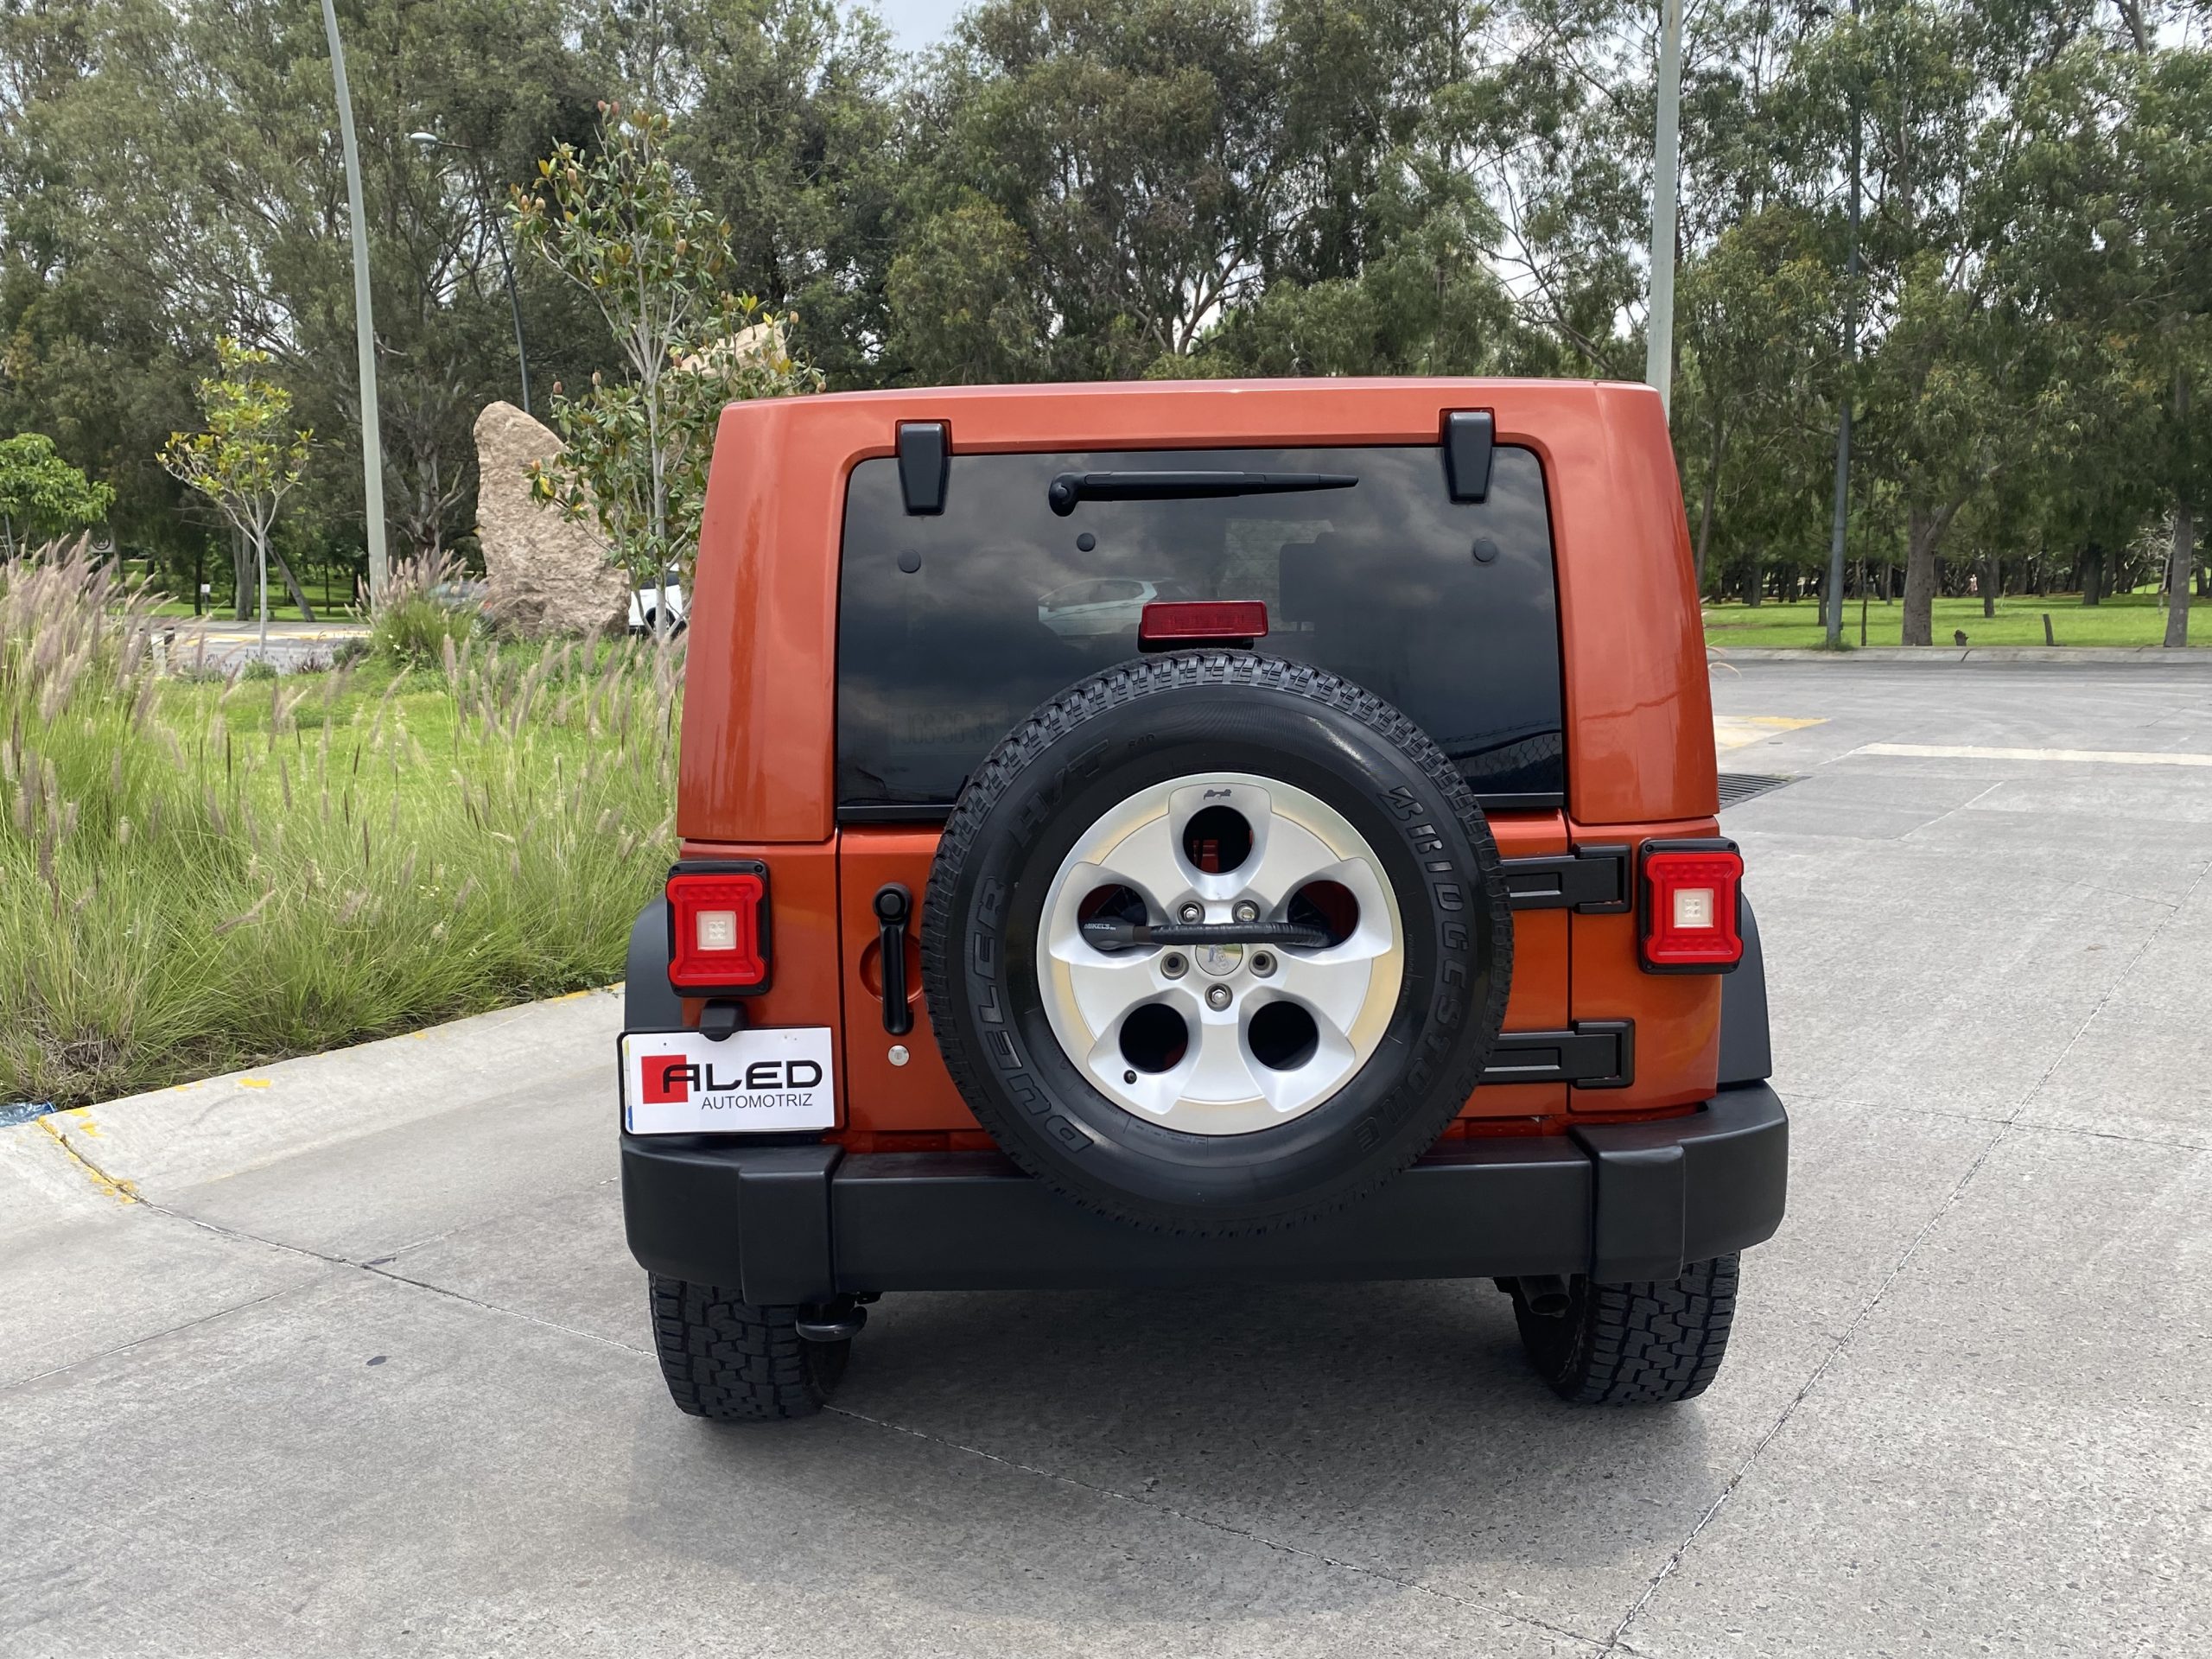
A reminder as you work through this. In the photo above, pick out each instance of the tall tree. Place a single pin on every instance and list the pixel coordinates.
(1129, 143)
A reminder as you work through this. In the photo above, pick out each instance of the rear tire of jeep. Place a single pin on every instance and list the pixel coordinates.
(732, 1362)
(1652, 1344)
(1201, 1140)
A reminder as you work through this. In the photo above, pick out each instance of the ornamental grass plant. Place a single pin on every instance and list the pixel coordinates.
(202, 873)
(420, 615)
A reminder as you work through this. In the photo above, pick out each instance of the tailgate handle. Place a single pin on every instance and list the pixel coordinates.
(894, 904)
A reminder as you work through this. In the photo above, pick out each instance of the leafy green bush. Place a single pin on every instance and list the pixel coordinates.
(421, 614)
(200, 876)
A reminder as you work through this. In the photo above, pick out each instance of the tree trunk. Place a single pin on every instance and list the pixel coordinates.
(1992, 569)
(1922, 530)
(1705, 510)
(299, 594)
(1754, 583)
(2093, 574)
(242, 575)
(2179, 560)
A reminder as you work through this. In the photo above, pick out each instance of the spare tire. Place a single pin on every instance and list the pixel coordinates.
(1214, 943)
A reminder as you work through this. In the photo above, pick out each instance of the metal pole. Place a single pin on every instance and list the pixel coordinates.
(365, 328)
(1666, 162)
(514, 305)
(1842, 518)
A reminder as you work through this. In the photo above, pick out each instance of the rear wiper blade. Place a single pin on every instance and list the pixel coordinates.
(1067, 489)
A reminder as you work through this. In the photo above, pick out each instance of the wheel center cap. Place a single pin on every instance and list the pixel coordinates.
(1219, 959)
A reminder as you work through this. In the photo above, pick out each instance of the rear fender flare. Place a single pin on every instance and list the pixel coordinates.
(1747, 1052)
(648, 1002)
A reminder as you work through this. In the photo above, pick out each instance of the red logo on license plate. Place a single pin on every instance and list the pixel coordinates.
(667, 1078)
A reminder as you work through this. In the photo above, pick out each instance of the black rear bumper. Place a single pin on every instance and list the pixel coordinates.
(803, 1224)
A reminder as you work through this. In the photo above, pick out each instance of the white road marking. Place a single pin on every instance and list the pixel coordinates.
(1734, 731)
(1978, 751)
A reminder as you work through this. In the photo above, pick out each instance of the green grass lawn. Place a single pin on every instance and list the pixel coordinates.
(201, 876)
(2122, 620)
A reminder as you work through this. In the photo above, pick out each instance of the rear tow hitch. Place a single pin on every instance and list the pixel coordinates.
(834, 1321)
(1543, 1294)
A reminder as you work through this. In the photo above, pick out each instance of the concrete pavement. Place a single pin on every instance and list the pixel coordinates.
(345, 1355)
(218, 643)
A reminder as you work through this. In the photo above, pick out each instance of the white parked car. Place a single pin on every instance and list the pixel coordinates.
(644, 607)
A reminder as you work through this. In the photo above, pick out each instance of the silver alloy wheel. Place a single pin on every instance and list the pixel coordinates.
(1219, 1083)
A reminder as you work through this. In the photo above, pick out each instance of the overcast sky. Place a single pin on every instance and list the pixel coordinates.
(918, 23)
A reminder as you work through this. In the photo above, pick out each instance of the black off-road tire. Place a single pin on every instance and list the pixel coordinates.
(732, 1362)
(1642, 1344)
(1149, 721)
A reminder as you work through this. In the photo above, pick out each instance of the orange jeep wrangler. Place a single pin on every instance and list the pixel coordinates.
(1153, 835)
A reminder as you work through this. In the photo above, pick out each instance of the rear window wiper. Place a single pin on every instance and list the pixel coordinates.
(1067, 489)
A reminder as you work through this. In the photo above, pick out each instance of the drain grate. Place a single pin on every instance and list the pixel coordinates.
(1736, 787)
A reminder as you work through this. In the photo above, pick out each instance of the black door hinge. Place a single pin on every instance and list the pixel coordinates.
(1596, 1054)
(925, 459)
(1591, 879)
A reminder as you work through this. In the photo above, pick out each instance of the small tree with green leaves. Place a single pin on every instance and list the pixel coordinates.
(624, 226)
(249, 457)
(43, 495)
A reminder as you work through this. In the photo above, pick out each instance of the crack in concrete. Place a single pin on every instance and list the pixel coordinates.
(124, 1191)
(377, 1270)
(1848, 1104)
(140, 1342)
(458, 1227)
(1261, 1538)
(1617, 1641)
(511, 1313)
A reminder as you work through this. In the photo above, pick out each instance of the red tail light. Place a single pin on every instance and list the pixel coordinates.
(718, 928)
(1688, 906)
(1201, 622)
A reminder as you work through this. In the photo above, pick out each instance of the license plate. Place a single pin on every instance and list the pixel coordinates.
(681, 1083)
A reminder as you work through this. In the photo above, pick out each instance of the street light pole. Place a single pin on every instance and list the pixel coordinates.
(1840, 522)
(365, 328)
(432, 141)
(514, 306)
(1666, 164)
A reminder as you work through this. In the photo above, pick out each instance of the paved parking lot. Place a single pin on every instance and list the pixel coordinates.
(219, 644)
(361, 1368)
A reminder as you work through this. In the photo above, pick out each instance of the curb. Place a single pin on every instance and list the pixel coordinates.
(189, 1132)
(1954, 656)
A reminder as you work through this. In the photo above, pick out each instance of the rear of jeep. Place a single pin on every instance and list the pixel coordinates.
(1163, 835)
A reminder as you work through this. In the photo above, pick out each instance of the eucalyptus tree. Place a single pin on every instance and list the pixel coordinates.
(788, 129)
(1131, 150)
(190, 185)
(1756, 316)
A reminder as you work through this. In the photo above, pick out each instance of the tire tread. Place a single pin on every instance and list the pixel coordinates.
(731, 1360)
(1654, 1343)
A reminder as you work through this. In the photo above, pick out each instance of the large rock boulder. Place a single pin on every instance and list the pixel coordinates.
(544, 573)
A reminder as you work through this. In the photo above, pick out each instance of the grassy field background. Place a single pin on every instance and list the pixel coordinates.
(196, 876)
(2121, 619)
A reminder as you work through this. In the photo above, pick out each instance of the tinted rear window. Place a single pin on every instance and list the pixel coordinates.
(1380, 582)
